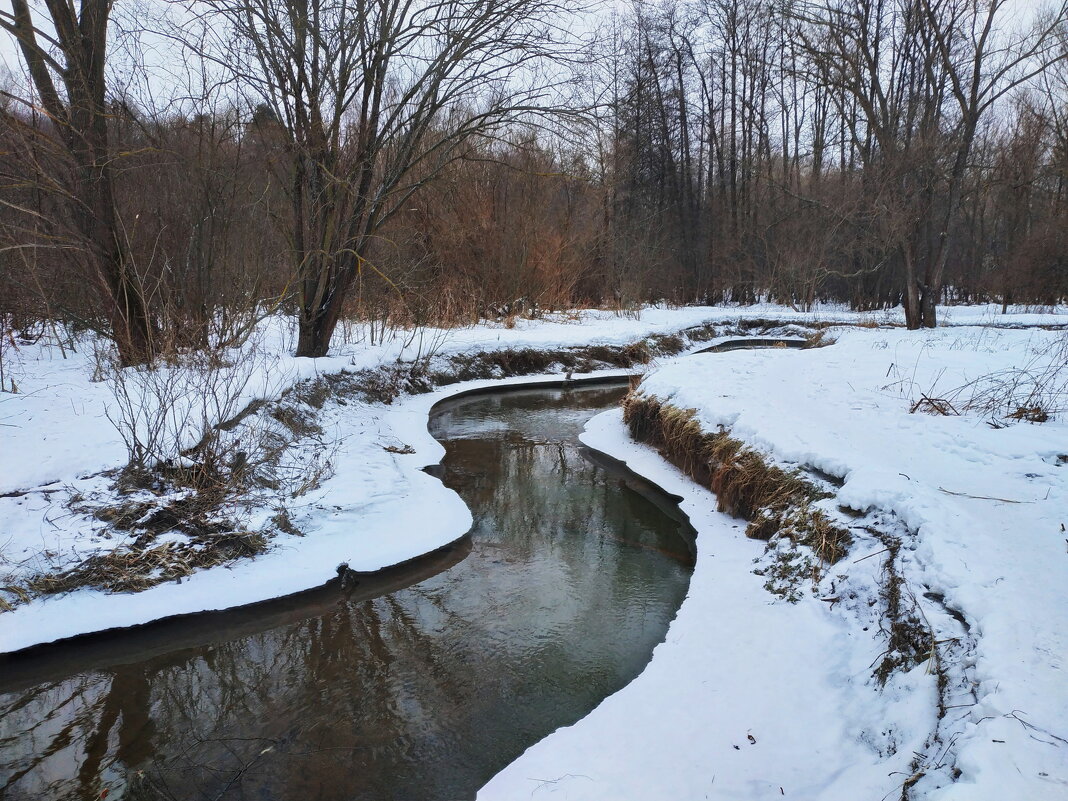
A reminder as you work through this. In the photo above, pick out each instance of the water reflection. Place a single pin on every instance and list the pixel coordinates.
(422, 692)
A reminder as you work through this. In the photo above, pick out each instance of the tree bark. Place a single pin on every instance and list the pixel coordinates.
(913, 315)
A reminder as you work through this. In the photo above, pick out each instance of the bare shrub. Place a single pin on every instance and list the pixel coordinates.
(1034, 393)
(182, 416)
(936, 406)
(818, 339)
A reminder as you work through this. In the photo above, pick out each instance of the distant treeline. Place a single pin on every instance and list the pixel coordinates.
(437, 163)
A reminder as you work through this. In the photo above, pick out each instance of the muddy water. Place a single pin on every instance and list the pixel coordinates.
(417, 684)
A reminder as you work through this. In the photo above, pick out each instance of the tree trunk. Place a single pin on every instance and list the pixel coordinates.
(81, 121)
(321, 309)
(316, 327)
(928, 305)
(313, 340)
(121, 295)
(913, 318)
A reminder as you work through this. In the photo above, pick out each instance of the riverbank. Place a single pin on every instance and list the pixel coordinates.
(376, 686)
(956, 502)
(345, 486)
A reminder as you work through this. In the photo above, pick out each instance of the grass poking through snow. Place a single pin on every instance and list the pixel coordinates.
(777, 503)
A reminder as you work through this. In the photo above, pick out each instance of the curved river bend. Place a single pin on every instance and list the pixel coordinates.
(418, 683)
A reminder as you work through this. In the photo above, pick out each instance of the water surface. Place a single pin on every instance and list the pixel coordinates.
(420, 683)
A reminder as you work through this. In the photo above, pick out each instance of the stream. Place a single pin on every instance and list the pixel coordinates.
(420, 682)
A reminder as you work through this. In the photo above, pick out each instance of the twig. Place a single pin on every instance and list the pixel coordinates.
(980, 497)
(869, 556)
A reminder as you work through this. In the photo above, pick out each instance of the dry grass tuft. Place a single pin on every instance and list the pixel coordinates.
(528, 361)
(1030, 414)
(666, 344)
(777, 502)
(134, 569)
(938, 406)
(300, 422)
(818, 339)
(910, 641)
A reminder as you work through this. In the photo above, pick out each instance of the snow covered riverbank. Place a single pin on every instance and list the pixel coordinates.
(750, 696)
(376, 509)
(753, 697)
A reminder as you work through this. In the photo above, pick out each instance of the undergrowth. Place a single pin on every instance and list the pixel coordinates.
(777, 503)
(910, 640)
(133, 569)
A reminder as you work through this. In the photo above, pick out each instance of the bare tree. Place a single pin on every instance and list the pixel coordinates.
(982, 63)
(375, 97)
(923, 73)
(66, 60)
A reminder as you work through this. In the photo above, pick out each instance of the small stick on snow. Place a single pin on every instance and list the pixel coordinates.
(980, 497)
(869, 556)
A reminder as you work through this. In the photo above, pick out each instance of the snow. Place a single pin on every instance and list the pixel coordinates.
(377, 510)
(980, 511)
(985, 510)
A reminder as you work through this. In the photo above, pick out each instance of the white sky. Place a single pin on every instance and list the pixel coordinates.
(163, 58)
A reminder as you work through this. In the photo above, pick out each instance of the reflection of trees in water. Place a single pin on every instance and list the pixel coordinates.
(274, 715)
(61, 739)
(326, 697)
(536, 491)
(424, 692)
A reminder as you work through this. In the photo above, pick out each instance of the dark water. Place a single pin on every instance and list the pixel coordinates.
(417, 684)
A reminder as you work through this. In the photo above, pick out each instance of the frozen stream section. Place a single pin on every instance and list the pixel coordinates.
(928, 444)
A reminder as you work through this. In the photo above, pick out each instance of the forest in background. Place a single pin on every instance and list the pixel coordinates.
(419, 163)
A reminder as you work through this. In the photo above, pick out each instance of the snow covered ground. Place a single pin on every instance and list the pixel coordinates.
(377, 509)
(751, 697)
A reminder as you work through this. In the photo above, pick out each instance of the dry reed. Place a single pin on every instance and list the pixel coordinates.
(775, 501)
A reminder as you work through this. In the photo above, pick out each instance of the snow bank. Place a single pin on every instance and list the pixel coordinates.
(378, 509)
(735, 664)
(987, 508)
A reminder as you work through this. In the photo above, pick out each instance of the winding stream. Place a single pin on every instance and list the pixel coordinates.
(418, 683)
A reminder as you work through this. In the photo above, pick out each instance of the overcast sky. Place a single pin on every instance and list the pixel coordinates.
(163, 58)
